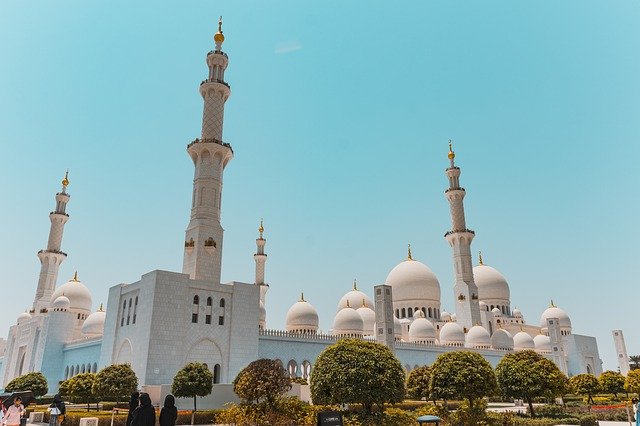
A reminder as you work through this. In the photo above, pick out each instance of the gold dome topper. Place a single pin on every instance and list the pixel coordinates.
(452, 154)
(261, 228)
(302, 297)
(480, 258)
(65, 181)
(409, 257)
(75, 277)
(219, 37)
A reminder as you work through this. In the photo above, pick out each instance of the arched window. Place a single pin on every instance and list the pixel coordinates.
(129, 311)
(196, 300)
(66, 372)
(492, 307)
(209, 301)
(306, 370)
(410, 312)
(397, 313)
(216, 373)
(404, 313)
(430, 316)
(424, 311)
(135, 310)
(222, 303)
(124, 311)
(292, 368)
(95, 368)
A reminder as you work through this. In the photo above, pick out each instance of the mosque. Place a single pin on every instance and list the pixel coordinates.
(167, 319)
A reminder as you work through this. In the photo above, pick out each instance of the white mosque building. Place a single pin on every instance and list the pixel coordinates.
(167, 319)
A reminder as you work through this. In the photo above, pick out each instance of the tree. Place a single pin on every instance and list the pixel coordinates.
(462, 374)
(357, 371)
(611, 382)
(80, 388)
(193, 380)
(586, 385)
(34, 382)
(116, 381)
(263, 379)
(418, 383)
(528, 375)
(634, 362)
(632, 382)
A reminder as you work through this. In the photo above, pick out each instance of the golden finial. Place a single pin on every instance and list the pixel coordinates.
(552, 305)
(261, 229)
(348, 305)
(409, 257)
(355, 284)
(364, 304)
(65, 181)
(480, 257)
(452, 154)
(302, 297)
(75, 277)
(101, 310)
(219, 37)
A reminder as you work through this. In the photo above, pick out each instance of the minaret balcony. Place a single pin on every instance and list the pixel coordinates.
(210, 140)
(215, 80)
(217, 52)
(459, 231)
(455, 189)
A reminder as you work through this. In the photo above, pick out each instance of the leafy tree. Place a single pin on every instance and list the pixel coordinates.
(80, 388)
(357, 371)
(528, 375)
(612, 382)
(115, 381)
(299, 380)
(193, 380)
(418, 383)
(34, 382)
(462, 374)
(632, 382)
(586, 385)
(634, 362)
(263, 379)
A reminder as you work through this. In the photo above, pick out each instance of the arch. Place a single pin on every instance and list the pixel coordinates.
(196, 300)
(205, 156)
(77, 369)
(94, 369)
(205, 351)
(292, 368)
(397, 313)
(135, 310)
(430, 316)
(589, 369)
(209, 301)
(306, 370)
(222, 303)
(424, 311)
(216, 373)
(410, 312)
(280, 362)
(82, 369)
(125, 353)
(404, 313)
(66, 372)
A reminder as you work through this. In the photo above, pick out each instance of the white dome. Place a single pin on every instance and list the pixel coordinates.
(555, 312)
(302, 317)
(25, 316)
(348, 322)
(413, 281)
(483, 306)
(452, 334)
(454, 317)
(478, 337)
(502, 340)
(516, 313)
(542, 343)
(94, 324)
(355, 298)
(397, 328)
(368, 319)
(523, 341)
(61, 303)
(422, 330)
(492, 286)
(78, 294)
(445, 316)
(496, 312)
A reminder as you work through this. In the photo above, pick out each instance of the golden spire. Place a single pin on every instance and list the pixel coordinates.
(65, 181)
(219, 37)
(409, 257)
(75, 277)
(261, 229)
(355, 284)
(364, 304)
(100, 309)
(480, 257)
(348, 305)
(452, 154)
(552, 305)
(302, 297)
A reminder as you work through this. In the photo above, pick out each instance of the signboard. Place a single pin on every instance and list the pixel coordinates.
(330, 418)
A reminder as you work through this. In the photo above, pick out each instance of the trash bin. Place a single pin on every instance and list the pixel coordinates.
(429, 420)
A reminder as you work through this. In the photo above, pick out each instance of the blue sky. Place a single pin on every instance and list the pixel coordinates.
(339, 117)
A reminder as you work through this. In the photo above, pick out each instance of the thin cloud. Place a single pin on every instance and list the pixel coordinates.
(287, 47)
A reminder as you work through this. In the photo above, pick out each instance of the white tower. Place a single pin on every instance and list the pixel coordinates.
(465, 289)
(261, 259)
(52, 256)
(621, 352)
(210, 155)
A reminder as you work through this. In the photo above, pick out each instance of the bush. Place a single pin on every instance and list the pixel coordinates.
(34, 382)
(552, 411)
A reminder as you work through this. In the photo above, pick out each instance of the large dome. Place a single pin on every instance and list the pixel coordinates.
(523, 341)
(478, 337)
(502, 340)
(422, 330)
(348, 322)
(94, 324)
(452, 334)
(555, 312)
(412, 281)
(302, 317)
(355, 298)
(78, 294)
(542, 343)
(25, 316)
(492, 285)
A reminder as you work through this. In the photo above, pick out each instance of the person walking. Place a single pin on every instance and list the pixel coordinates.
(14, 413)
(169, 412)
(133, 404)
(145, 414)
(57, 410)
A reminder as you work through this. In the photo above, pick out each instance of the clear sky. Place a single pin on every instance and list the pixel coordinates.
(339, 118)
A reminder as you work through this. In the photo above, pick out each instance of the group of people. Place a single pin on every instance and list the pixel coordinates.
(142, 412)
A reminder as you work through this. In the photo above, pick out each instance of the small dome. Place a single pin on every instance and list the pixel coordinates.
(302, 317)
(61, 303)
(542, 343)
(397, 328)
(454, 317)
(496, 312)
(523, 341)
(422, 330)
(348, 322)
(478, 337)
(78, 294)
(25, 316)
(445, 316)
(555, 312)
(502, 340)
(452, 334)
(94, 324)
(355, 298)
(413, 281)
(483, 306)
(516, 313)
(418, 314)
(492, 285)
(368, 319)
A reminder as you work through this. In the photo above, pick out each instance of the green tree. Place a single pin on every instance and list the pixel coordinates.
(462, 374)
(357, 371)
(263, 379)
(193, 380)
(527, 375)
(34, 382)
(80, 388)
(632, 382)
(611, 382)
(586, 385)
(634, 362)
(116, 381)
(418, 383)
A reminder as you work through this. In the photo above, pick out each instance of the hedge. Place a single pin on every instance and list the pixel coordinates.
(72, 418)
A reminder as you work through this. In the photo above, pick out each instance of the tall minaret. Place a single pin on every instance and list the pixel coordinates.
(210, 155)
(261, 258)
(465, 289)
(52, 256)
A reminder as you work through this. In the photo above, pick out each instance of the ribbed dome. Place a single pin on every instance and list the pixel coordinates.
(492, 285)
(523, 341)
(302, 317)
(478, 337)
(61, 303)
(413, 281)
(542, 343)
(94, 324)
(502, 340)
(25, 316)
(368, 316)
(555, 312)
(422, 330)
(355, 298)
(348, 322)
(452, 334)
(78, 294)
